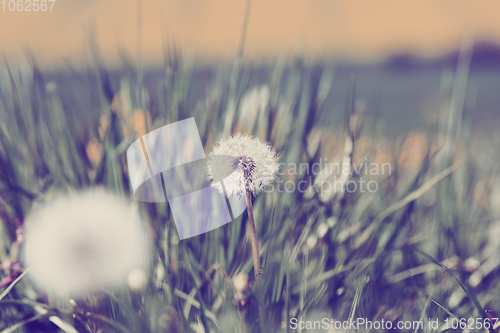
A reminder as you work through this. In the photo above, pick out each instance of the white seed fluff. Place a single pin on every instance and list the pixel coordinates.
(255, 165)
(81, 243)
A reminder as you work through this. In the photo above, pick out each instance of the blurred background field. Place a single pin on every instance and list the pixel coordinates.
(326, 254)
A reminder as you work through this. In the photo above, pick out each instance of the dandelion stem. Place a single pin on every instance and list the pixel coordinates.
(256, 265)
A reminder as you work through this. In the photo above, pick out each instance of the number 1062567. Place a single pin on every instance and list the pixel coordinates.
(27, 5)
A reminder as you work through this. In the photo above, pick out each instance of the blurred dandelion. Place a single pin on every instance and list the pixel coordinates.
(241, 290)
(254, 166)
(253, 107)
(242, 297)
(84, 242)
(137, 280)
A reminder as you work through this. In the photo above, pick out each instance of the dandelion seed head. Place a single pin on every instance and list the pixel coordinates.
(254, 165)
(84, 242)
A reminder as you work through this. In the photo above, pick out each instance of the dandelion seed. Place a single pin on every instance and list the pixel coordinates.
(81, 243)
(254, 165)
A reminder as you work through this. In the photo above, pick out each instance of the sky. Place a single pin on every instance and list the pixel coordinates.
(362, 30)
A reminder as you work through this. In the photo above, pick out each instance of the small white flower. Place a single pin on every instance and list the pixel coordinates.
(137, 279)
(311, 241)
(240, 282)
(322, 230)
(84, 242)
(242, 163)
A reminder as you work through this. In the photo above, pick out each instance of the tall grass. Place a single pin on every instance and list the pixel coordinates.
(325, 255)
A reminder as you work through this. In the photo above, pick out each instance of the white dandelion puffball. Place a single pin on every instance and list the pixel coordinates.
(241, 163)
(81, 243)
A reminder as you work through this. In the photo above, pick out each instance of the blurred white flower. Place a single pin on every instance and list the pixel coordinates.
(253, 106)
(240, 282)
(137, 279)
(242, 290)
(311, 241)
(84, 242)
(322, 230)
(254, 165)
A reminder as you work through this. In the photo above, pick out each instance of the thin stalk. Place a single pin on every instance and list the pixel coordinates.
(233, 84)
(140, 70)
(256, 265)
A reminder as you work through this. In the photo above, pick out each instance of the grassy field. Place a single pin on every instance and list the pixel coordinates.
(417, 243)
